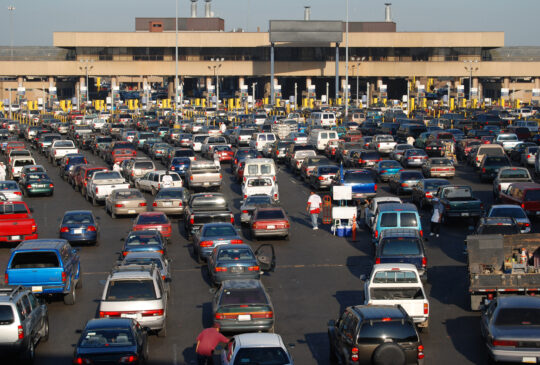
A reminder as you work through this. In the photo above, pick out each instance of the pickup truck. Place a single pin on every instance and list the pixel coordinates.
(16, 222)
(392, 284)
(361, 181)
(60, 148)
(47, 266)
(102, 184)
(206, 208)
(383, 143)
(203, 174)
(260, 185)
(498, 265)
(507, 176)
(458, 202)
(119, 151)
(507, 141)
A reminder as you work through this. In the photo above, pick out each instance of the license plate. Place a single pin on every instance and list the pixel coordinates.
(464, 214)
(131, 211)
(37, 289)
(244, 317)
(15, 237)
(237, 269)
(270, 227)
(206, 184)
(529, 360)
(167, 204)
(77, 231)
(129, 315)
(42, 186)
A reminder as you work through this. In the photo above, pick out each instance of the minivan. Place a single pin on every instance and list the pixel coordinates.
(322, 119)
(320, 138)
(259, 167)
(391, 216)
(259, 140)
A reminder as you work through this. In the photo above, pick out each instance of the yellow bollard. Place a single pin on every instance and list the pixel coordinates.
(338, 101)
(311, 103)
(452, 106)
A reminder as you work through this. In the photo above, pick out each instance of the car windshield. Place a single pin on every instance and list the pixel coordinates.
(233, 254)
(109, 337)
(379, 332)
(131, 290)
(78, 218)
(152, 219)
(270, 214)
(400, 246)
(516, 212)
(518, 317)
(218, 231)
(514, 173)
(261, 355)
(142, 240)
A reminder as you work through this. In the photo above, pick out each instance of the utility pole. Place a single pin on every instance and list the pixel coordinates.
(11, 9)
(347, 62)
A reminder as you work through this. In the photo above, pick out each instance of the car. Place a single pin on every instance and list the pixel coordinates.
(68, 162)
(397, 153)
(404, 181)
(413, 157)
(153, 220)
(149, 258)
(251, 203)
(269, 221)
(125, 202)
(238, 261)
(490, 166)
(243, 305)
(497, 225)
(258, 348)
(24, 322)
(37, 183)
(79, 226)
(119, 340)
(512, 211)
(211, 235)
(152, 181)
(11, 191)
(260, 185)
(322, 176)
(374, 334)
(439, 167)
(170, 201)
(515, 153)
(425, 190)
(144, 241)
(510, 328)
(528, 156)
(136, 292)
(435, 149)
(507, 176)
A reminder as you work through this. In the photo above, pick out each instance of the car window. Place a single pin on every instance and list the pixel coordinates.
(33, 301)
(379, 332)
(518, 317)
(532, 195)
(270, 214)
(218, 231)
(235, 254)
(27, 305)
(130, 290)
(113, 337)
(261, 355)
(394, 276)
(408, 220)
(20, 309)
(6, 315)
(30, 260)
(388, 220)
(400, 246)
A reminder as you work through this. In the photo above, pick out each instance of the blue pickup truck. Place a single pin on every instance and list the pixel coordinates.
(46, 266)
(362, 183)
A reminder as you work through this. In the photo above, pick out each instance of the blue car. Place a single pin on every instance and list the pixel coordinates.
(144, 241)
(361, 181)
(386, 169)
(79, 226)
(180, 165)
(212, 235)
(69, 161)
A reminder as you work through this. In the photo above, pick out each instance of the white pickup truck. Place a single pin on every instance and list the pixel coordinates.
(383, 143)
(60, 148)
(260, 185)
(391, 284)
(101, 185)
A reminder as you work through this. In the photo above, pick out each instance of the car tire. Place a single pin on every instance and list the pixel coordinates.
(28, 356)
(69, 298)
(388, 353)
(425, 327)
(154, 192)
(45, 330)
(113, 214)
(287, 237)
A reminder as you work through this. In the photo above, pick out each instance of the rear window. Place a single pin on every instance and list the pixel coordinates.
(209, 202)
(496, 161)
(328, 170)
(516, 212)
(243, 296)
(8, 208)
(19, 163)
(30, 260)
(258, 200)
(152, 219)
(173, 175)
(499, 229)
(514, 174)
(144, 165)
(113, 337)
(408, 220)
(108, 175)
(370, 156)
(394, 276)
(234, 254)
(270, 214)
(259, 182)
(9, 185)
(170, 194)
(400, 247)
(388, 220)
(379, 332)
(358, 177)
(130, 194)
(261, 355)
(6, 315)
(142, 239)
(130, 290)
(411, 175)
(78, 218)
(434, 185)
(218, 231)
(518, 317)
(532, 195)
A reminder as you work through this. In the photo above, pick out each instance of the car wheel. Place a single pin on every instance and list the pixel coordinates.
(113, 214)
(154, 192)
(287, 237)
(69, 298)
(29, 354)
(389, 353)
(425, 327)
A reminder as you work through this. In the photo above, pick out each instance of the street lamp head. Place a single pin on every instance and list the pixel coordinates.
(363, 59)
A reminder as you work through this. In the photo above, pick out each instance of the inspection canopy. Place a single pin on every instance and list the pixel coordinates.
(318, 31)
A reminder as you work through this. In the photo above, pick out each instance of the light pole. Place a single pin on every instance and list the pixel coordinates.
(253, 85)
(327, 93)
(359, 60)
(347, 62)
(11, 9)
(87, 68)
(295, 96)
(470, 68)
(176, 83)
(216, 68)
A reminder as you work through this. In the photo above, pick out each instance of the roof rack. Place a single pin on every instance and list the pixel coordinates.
(133, 268)
(10, 290)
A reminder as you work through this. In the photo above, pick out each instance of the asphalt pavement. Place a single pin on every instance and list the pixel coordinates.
(316, 277)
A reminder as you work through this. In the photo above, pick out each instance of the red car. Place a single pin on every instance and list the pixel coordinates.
(224, 153)
(153, 220)
(269, 221)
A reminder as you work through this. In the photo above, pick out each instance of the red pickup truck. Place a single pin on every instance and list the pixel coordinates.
(16, 222)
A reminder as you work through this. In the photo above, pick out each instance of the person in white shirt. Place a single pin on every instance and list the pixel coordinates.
(410, 140)
(2, 171)
(167, 180)
(222, 128)
(314, 208)
(435, 219)
(116, 166)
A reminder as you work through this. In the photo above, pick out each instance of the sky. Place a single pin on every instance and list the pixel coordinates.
(34, 21)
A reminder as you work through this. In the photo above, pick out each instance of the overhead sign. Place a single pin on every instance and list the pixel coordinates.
(474, 92)
(306, 31)
(535, 93)
(461, 91)
(505, 92)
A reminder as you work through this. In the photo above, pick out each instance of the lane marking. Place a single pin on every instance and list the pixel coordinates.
(175, 360)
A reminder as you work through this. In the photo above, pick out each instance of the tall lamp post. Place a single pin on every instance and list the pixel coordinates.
(11, 9)
(347, 61)
(358, 60)
(469, 67)
(216, 67)
(86, 67)
(176, 83)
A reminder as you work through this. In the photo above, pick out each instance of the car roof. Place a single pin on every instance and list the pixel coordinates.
(108, 323)
(259, 340)
(241, 284)
(398, 207)
(515, 301)
(78, 212)
(379, 311)
(40, 244)
(400, 232)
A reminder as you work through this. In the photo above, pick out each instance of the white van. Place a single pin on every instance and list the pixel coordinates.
(259, 167)
(320, 138)
(531, 124)
(259, 140)
(322, 119)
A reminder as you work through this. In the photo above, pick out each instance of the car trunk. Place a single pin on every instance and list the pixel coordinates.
(34, 268)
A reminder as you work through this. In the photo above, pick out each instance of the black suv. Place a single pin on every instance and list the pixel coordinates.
(374, 334)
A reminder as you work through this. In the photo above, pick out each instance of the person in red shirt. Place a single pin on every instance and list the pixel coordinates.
(207, 341)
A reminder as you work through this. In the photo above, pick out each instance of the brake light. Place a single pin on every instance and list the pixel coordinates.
(152, 313)
(206, 243)
(245, 211)
(18, 193)
(426, 308)
(377, 260)
(360, 161)
(504, 343)
(354, 354)
(64, 230)
(253, 268)
(129, 359)
(154, 204)
(96, 190)
(142, 204)
(34, 228)
(64, 277)
(523, 205)
(232, 219)
(191, 219)
(420, 352)
(321, 177)
(424, 261)
(376, 233)
(118, 205)
(429, 195)
(237, 242)
(91, 229)
(6, 278)
(484, 169)
(403, 185)
(220, 269)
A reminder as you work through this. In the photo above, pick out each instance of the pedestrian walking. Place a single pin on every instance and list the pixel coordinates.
(167, 180)
(2, 171)
(435, 219)
(410, 140)
(116, 166)
(207, 341)
(314, 208)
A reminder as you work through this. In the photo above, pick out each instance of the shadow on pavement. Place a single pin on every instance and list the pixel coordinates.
(318, 345)
(440, 276)
(470, 345)
(359, 265)
(347, 298)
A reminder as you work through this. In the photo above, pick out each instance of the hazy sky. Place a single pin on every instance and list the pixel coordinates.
(34, 21)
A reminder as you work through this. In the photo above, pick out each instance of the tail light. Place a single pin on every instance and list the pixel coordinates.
(254, 268)
(206, 243)
(237, 242)
(152, 313)
(245, 211)
(375, 187)
(129, 359)
(96, 190)
(499, 187)
(354, 354)
(64, 277)
(18, 193)
(378, 145)
(220, 269)
(529, 156)
(191, 178)
(424, 261)
(504, 343)
(403, 185)
(426, 308)
(118, 205)
(154, 204)
(142, 204)
(64, 230)
(523, 205)
(484, 169)
(275, 196)
(232, 219)
(29, 186)
(91, 229)
(429, 195)
(360, 161)
(527, 224)
(34, 228)
(20, 332)
(420, 352)
(377, 261)
(191, 219)
(51, 185)
(376, 234)
(6, 278)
